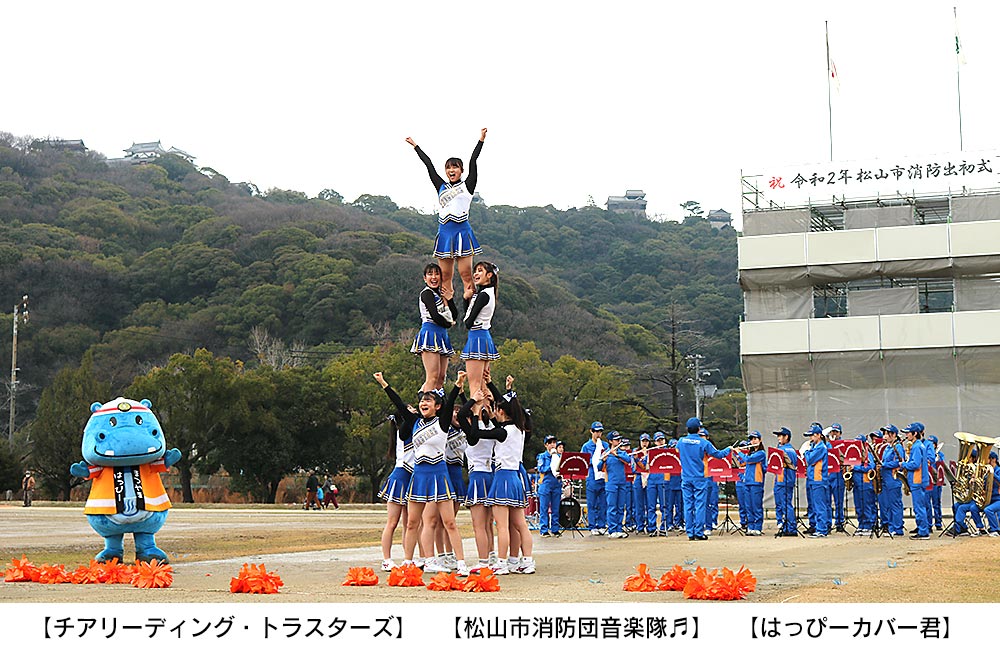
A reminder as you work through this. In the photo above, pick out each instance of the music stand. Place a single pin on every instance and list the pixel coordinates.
(722, 471)
(574, 465)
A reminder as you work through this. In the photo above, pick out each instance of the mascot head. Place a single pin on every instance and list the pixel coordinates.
(122, 433)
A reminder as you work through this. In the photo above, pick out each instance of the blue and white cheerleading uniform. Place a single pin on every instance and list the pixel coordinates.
(433, 334)
(395, 487)
(508, 486)
(430, 481)
(454, 237)
(478, 319)
(454, 456)
(480, 459)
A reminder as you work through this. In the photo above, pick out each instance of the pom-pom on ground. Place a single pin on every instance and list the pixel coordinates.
(360, 576)
(255, 579)
(152, 575)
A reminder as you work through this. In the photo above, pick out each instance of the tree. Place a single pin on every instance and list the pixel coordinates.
(375, 204)
(57, 429)
(193, 399)
(693, 208)
(287, 420)
(331, 196)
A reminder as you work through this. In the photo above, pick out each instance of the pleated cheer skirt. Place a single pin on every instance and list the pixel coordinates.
(430, 483)
(395, 487)
(480, 346)
(507, 489)
(529, 487)
(455, 239)
(432, 338)
(457, 482)
(478, 493)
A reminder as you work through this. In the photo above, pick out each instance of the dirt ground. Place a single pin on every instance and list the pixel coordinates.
(312, 552)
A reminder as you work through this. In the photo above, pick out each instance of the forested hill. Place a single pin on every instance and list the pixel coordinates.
(136, 262)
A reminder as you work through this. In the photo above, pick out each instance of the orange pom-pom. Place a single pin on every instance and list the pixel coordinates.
(732, 586)
(52, 574)
(675, 579)
(152, 575)
(360, 576)
(446, 582)
(255, 579)
(641, 581)
(116, 573)
(91, 574)
(483, 582)
(22, 570)
(408, 575)
(698, 585)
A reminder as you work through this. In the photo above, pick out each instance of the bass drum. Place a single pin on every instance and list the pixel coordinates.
(569, 512)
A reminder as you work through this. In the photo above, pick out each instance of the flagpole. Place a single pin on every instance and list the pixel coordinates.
(958, 78)
(829, 101)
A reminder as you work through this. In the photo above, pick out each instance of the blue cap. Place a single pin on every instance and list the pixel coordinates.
(836, 427)
(549, 439)
(614, 435)
(913, 427)
(862, 437)
(559, 442)
(596, 426)
(644, 436)
(626, 442)
(783, 431)
(933, 439)
(672, 444)
(659, 435)
(754, 434)
(693, 423)
(703, 432)
(815, 427)
(993, 455)
(890, 428)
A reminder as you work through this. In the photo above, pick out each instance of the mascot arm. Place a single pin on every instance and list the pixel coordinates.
(171, 457)
(81, 469)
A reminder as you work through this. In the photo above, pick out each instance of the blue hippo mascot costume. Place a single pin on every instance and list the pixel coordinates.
(124, 452)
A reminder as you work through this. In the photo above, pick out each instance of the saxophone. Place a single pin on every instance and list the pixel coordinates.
(875, 474)
(901, 474)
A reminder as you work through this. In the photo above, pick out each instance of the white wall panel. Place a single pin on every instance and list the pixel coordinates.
(975, 238)
(772, 251)
(977, 328)
(908, 331)
(913, 242)
(835, 334)
(774, 336)
(840, 246)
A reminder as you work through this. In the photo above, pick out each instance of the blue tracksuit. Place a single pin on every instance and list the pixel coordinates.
(596, 501)
(892, 489)
(639, 496)
(992, 511)
(838, 490)
(676, 500)
(936, 495)
(695, 485)
(784, 491)
(916, 466)
(818, 487)
(615, 488)
(753, 486)
(741, 491)
(656, 495)
(549, 494)
(864, 494)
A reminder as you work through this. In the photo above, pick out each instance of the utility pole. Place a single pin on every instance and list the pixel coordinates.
(20, 312)
(695, 364)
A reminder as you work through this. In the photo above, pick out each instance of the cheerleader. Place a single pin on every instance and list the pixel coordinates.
(437, 314)
(507, 496)
(455, 240)
(430, 488)
(454, 456)
(479, 349)
(393, 491)
(482, 433)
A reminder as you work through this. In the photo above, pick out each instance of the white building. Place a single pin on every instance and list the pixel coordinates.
(874, 298)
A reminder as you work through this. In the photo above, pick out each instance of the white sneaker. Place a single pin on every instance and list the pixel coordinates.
(419, 561)
(388, 565)
(596, 532)
(493, 563)
(994, 533)
(501, 570)
(526, 566)
(461, 568)
(707, 532)
(433, 566)
(449, 562)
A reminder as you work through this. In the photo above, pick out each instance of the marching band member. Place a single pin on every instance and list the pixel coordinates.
(892, 486)
(549, 490)
(916, 466)
(962, 510)
(805, 446)
(628, 509)
(676, 507)
(694, 483)
(596, 500)
(992, 511)
(614, 461)
(741, 488)
(882, 497)
(657, 494)
(640, 501)
(753, 482)
(938, 486)
(816, 484)
(784, 486)
(864, 493)
(712, 502)
(838, 489)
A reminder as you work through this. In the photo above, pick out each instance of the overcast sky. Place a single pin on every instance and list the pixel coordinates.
(581, 98)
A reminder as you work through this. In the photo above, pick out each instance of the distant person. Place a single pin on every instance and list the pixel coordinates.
(695, 482)
(28, 487)
(330, 493)
(312, 490)
(596, 501)
(455, 240)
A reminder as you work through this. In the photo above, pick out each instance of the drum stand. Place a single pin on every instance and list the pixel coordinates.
(728, 525)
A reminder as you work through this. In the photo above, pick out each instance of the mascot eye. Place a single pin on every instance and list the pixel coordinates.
(138, 419)
(113, 422)
(155, 433)
(101, 436)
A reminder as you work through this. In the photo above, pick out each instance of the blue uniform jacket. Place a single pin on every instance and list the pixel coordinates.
(916, 466)
(614, 465)
(753, 473)
(588, 448)
(693, 449)
(816, 464)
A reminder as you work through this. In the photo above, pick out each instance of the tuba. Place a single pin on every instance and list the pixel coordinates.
(974, 481)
